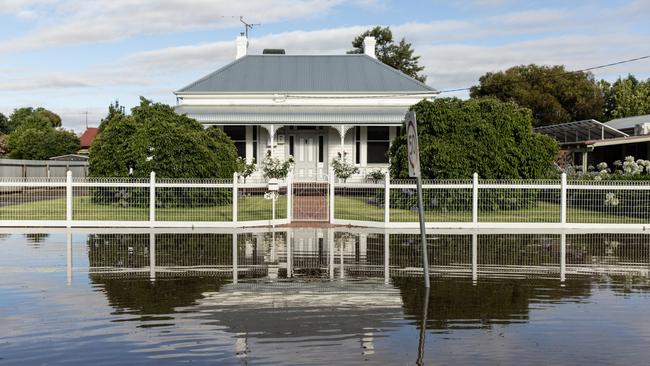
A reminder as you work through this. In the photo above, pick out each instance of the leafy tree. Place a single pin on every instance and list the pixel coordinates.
(483, 135)
(36, 139)
(157, 139)
(4, 144)
(4, 124)
(21, 114)
(626, 97)
(550, 92)
(396, 55)
(113, 110)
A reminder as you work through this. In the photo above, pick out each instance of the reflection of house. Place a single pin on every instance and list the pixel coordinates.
(311, 107)
(590, 142)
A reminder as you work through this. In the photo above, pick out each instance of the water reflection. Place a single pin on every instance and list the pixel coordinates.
(330, 254)
(337, 295)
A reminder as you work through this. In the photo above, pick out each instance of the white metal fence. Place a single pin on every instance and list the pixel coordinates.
(92, 202)
(492, 203)
(120, 202)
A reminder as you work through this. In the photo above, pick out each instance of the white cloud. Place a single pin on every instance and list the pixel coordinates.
(110, 20)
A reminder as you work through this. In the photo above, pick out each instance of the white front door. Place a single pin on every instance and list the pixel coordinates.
(305, 155)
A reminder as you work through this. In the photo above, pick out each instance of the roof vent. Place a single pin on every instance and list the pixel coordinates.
(273, 51)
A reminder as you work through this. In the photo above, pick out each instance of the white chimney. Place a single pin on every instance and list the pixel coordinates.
(242, 46)
(369, 46)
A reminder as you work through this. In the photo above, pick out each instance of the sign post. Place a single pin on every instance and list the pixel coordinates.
(414, 171)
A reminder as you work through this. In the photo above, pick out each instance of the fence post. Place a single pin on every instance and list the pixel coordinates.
(152, 198)
(331, 203)
(563, 199)
(68, 198)
(234, 197)
(475, 198)
(387, 197)
(290, 197)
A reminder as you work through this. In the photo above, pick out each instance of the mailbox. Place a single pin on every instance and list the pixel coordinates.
(274, 185)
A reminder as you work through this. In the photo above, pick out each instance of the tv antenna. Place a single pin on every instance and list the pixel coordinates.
(247, 26)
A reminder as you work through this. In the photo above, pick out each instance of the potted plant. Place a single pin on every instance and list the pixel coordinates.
(375, 175)
(343, 168)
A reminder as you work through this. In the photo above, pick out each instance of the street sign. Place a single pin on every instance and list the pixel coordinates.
(412, 143)
(414, 172)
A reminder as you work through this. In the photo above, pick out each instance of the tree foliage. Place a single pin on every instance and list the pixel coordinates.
(36, 139)
(4, 124)
(396, 55)
(483, 135)
(157, 139)
(21, 114)
(550, 92)
(626, 97)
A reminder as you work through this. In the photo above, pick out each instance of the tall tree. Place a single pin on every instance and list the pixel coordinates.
(396, 55)
(4, 124)
(21, 114)
(35, 138)
(550, 92)
(626, 97)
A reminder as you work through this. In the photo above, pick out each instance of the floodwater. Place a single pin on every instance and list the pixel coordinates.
(323, 297)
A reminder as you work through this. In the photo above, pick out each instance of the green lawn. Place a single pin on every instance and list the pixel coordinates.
(351, 208)
(250, 208)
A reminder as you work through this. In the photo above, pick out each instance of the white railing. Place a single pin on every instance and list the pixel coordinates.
(492, 203)
(121, 202)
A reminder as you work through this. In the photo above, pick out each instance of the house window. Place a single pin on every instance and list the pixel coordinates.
(255, 132)
(238, 135)
(357, 145)
(321, 145)
(378, 144)
(291, 145)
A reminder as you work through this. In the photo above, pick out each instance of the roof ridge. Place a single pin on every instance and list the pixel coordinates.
(398, 72)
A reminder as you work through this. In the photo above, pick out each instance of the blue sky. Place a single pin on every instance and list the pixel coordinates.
(75, 56)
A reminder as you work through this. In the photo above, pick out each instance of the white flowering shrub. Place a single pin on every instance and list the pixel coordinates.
(343, 168)
(275, 168)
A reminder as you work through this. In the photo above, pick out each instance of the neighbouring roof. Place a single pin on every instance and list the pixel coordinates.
(306, 73)
(293, 114)
(578, 131)
(88, 136)
(628, 122)
(70, 157)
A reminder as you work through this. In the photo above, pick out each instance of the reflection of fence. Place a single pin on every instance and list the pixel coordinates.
(491, 203)
(369, 253)
(140, 203)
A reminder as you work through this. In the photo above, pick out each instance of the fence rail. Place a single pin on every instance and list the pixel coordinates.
(120, 202)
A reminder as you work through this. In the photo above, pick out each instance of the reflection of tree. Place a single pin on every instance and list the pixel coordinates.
(491, 301)
(160, 297)
(36, 238)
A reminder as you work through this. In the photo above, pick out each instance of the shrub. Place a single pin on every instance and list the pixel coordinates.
(157, 139)
(275, 168)
(343, 168)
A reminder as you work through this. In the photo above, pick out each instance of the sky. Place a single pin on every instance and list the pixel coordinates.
(75, 56)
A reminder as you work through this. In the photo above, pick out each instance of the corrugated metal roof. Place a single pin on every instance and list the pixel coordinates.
(306, 73)
(294, 114)
(628, 122)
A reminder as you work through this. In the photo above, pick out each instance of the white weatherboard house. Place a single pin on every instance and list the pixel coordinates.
(311, 107)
